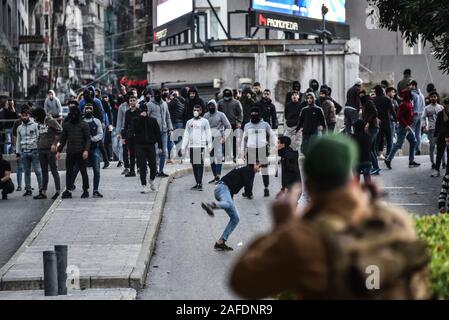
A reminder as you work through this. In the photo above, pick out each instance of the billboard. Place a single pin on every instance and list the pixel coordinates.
(304, 8)
(169, 10)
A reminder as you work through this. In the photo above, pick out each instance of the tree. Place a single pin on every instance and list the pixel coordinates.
(427, 19)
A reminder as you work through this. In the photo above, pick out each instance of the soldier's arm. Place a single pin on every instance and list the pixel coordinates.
(289, 259)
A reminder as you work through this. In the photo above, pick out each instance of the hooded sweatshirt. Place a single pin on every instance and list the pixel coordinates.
(197, 134)
(49, 133)
(27, 136)
(405, 111)
(191, 103)
(217, 121)
(53, 107)
(310, 118)
(257, 135)
(159, 111)
(232, 109)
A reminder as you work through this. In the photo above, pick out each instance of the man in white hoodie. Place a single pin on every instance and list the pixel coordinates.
(52, 105)
(198, 137)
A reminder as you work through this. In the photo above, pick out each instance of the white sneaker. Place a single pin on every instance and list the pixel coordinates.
(152, 186)
(435, 174)
(146, 189)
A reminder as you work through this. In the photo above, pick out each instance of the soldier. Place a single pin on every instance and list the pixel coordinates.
(324, 254)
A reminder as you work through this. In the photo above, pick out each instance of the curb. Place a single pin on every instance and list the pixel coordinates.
(136, 279)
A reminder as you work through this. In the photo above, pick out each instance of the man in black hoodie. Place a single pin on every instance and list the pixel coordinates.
(289, 163)
(76, 134)
(385, 113)
(291, 115)
(192, 101)
(128, 134)
(268, 110)
(147, 134)
(176, 107)
(295, 88)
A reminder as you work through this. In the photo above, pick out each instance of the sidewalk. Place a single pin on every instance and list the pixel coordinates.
(110, 240)
(90, 294)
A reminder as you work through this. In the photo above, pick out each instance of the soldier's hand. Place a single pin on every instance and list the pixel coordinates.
(285, 207)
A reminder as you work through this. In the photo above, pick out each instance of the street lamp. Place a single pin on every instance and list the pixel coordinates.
(323, 36)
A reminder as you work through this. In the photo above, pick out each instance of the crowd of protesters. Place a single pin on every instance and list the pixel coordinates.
(154, 127)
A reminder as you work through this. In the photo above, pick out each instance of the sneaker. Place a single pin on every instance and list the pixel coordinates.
(119, 164)
(130, 174)
(375, 172)
(414, 164)
(388, 164)
(169, 161)
(200, 187)
(125, 172)
(435, 174)
(418, 153)
(97, 194)
(152, 186)
(214, 180)
(195, 187)
(67, 195)
(145, 190)
(162, 175)
(209, 208)
(106, 165)
(222, 247)
(248, 196)
(19, 189)
(266, 193)
(55, 196)
(85, 194)
(41, 196)
(28, 193)
(4, 196)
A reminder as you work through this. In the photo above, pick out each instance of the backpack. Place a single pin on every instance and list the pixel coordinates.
(379, 245)
(93, 132)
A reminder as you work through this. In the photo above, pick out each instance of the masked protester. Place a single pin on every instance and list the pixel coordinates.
(121, 113)
(248, 102)
(147, 135)
(176, 108)
(76, 135)
(198, 138)
(221, 129)
(296, 87)
(315, 86)
(291, 116)
(27, 150)
(257, 139)
(234, 112)
(289, 163)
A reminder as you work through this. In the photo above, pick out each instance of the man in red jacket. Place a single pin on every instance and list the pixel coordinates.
(405, 119)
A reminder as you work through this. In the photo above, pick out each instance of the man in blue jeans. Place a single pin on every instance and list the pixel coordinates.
(27, 150)
(230, 185)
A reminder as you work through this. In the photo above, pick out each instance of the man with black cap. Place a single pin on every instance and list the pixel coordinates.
(311, 254)
(257, 139)
(311, 122)
(221, 129)
(27, 150)
(6, 185)
(353, 106)
(193, 99)
(234, 112)
(76, 135)
(147, 135)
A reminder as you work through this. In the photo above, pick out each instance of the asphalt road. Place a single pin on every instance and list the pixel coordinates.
(19, 216)
(185, 265)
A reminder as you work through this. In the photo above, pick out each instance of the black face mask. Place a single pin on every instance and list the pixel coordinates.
(26, 121)
(255, 119)
(88, 114)
(212, 110)
(315, 86)
(165, 95)
(74, 115)
(157, 98)
(147, 99)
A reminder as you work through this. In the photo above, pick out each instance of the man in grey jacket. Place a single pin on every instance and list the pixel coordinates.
(221, 129)
(118, 129)
(27, 150)
(158, 109)
(234, 112)
(52, 105)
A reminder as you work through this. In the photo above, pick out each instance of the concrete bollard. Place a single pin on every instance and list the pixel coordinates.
(50, 274)
(61, 258)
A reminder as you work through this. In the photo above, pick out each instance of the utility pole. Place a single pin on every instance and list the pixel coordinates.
(52, 42)
(324, 11)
